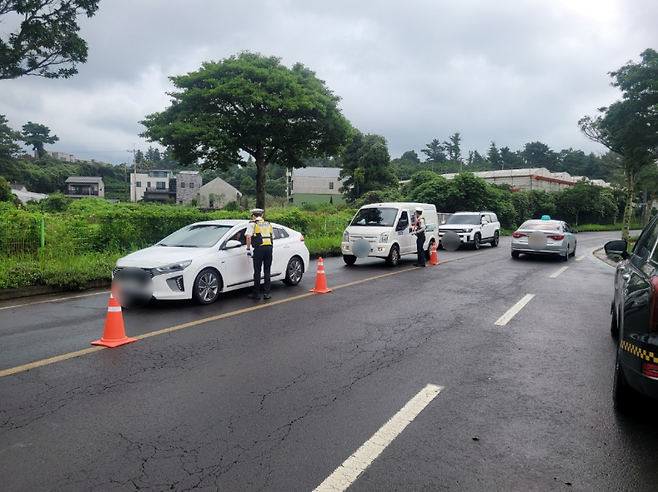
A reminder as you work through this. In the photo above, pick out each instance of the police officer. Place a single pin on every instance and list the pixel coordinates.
(419, 230)
(259, 236)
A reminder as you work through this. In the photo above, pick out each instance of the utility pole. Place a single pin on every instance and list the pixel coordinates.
(134, 180)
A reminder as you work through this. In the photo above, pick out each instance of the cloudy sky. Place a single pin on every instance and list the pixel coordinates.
(508, 71)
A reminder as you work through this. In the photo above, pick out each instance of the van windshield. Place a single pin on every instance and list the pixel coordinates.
(376, 217)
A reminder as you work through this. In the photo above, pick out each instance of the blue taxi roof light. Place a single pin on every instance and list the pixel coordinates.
(545, 217)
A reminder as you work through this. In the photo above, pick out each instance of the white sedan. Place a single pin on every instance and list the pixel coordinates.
(205, 258)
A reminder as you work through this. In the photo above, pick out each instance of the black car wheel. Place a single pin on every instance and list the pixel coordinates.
(428, 253)
(496, 239)
(294, 272)
(349, 259)
(476, 241)
(614, 326)
(393, 257)
(566, 254)
(622, 394)
(207, 286)
(515, 255)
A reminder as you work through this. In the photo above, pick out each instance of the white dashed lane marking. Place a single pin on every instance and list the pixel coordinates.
(559, 272)
(504, 319)
(346, 474)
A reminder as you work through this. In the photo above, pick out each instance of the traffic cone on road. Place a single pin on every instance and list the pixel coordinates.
(114, 334)
(434, 257)
(320, 280)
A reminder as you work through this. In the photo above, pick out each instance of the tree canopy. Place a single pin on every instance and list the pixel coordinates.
(629, 127)
(366, 167)
(253, 104)
(36, 136)
(47, 42)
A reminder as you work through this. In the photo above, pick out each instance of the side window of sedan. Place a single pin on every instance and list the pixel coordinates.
(279, 233)
(646, 244)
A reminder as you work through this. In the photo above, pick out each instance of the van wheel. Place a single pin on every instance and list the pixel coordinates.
(349, 259)
(428, 253)
(476, 241)
(393, 257)
(496, 239)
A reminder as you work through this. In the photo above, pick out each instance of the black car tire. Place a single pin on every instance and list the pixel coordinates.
(515, 255)
(349, 259)
(207, 286)
(476, 241)
(573, 253)
(614, 325)
(294, 271)
(566, 254)
(393, 257)
(622, 394)
(495, 240)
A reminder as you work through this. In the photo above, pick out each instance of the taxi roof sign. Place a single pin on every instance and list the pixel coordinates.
(545, 217)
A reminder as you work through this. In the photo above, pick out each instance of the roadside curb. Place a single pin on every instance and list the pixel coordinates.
(41, 290)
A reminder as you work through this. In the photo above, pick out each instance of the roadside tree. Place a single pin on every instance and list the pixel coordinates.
(250, 104)
(629, 127)
(46, 43)
(37, 136)
(366, 167)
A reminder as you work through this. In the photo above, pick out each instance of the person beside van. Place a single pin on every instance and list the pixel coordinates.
(419, 231)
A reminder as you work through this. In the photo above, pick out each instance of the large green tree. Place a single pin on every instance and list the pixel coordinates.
(37, 136)
(8, 139)
(253, 104)
(46, 42)
(630, 127)
(366, 167)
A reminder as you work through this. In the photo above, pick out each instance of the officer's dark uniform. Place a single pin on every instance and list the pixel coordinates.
(261, 241)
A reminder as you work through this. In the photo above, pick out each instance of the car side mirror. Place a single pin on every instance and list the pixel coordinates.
(618, 247)
(232, 243)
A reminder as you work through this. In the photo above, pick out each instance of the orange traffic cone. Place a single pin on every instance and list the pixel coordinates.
(114, 334)
(320, 280)
(434, 257)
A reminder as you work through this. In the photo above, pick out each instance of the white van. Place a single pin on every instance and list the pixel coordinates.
(383, 230)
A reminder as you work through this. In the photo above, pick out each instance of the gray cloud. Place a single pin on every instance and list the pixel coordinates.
(512, 71)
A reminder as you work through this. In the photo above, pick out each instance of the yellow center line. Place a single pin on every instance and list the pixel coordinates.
(79, 353)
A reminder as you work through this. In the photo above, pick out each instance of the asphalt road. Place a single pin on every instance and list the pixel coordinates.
(483, 373)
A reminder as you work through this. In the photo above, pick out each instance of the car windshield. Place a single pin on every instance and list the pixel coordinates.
(540, 225)
(375, 217)
(196, 236)
(473, 219)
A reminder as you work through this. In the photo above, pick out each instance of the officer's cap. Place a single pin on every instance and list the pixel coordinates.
(419, 210)
(257, 211)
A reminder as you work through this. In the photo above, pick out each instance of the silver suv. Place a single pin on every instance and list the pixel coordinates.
(473, 228)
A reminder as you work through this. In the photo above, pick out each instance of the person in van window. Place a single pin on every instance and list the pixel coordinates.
(419, 231)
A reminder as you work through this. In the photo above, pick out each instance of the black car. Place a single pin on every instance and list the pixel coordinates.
(635, 316)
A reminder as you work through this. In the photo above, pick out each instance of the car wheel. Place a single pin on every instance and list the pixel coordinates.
(295, 271)
(573, 253)
(614, 325)
(207, 286)
(476, 241)
(566, 254)
(515, 255)
(622, 394)
(393, 257)
(496, 239)
(349, 259)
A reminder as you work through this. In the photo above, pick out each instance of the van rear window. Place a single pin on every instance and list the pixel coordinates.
(375, 217)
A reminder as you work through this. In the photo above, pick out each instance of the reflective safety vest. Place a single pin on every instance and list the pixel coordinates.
(262, 233)
(418, 225)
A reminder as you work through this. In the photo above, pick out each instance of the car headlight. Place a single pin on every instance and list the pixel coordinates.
(346, 237)
(383, 238)
(174, 267)
(468, 230)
